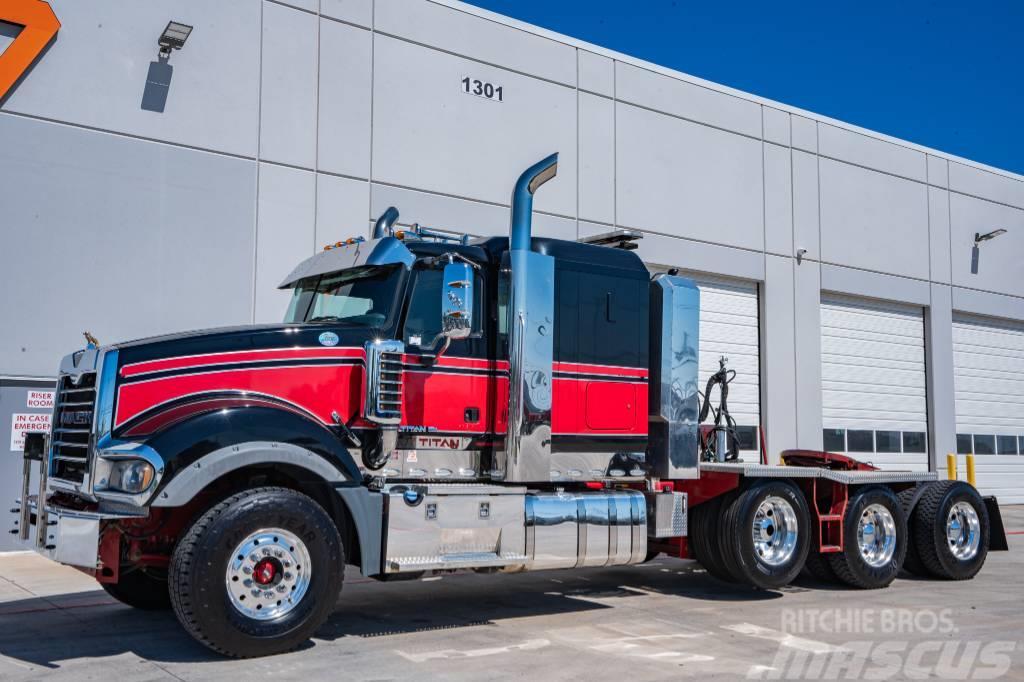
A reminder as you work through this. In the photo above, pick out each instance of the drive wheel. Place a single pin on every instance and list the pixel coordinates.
(874, 539)
(912, 562)
(705, 539)
(951, 530)
(140, 590)
(766, 534)
(258, 573)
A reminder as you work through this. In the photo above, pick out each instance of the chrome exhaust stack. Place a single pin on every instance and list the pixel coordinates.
(384, 227)
(527, 456)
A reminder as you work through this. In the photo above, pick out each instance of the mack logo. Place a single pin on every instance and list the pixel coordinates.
(76, 418)
(39, 26)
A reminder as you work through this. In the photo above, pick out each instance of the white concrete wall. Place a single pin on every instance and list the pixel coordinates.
(291, 124)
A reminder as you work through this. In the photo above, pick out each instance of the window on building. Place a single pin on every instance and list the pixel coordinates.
(860, 441)
(746, 437)
(887, 441)
(964, 444)
(1006, 445)
(834, 440)
(984, 445)
(914, 441)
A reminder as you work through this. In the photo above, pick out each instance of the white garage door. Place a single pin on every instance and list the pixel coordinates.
(874, 406)
(729, 327)
(988, 371)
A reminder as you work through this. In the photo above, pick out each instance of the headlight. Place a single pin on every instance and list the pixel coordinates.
(130, 475)
(126, 472)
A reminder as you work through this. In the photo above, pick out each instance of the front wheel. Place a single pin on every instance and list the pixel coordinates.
(258, 573)
(874, 539)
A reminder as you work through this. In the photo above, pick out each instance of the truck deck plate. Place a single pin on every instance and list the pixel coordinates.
(847, 477)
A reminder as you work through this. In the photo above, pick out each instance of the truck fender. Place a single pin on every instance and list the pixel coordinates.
(191, 442)
(191, 480)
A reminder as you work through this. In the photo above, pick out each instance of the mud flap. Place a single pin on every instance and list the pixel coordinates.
(997, 533)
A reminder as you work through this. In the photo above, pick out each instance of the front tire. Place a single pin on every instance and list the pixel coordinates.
(258, 573)
(874, 539)
(140, 590)
(951, 530)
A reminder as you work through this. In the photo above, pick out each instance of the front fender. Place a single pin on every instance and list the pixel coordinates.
(214, 443)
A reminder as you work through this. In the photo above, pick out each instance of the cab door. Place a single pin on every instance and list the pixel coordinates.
(450, 395)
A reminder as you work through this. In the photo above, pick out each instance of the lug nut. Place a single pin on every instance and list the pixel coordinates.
(287, 576)
(247, 582)
(255, 593)
(254, 557)
(281, 588)
(266, 551)
(246, 570)
(278, 554)
(268, 595)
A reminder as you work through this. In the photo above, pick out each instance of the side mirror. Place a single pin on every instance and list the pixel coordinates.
(457, 301)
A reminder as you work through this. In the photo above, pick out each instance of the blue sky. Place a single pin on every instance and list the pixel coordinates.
(948, 74)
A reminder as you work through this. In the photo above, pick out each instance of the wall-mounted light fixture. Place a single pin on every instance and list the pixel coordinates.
(978, 239)
(158, 79)
(173, 37)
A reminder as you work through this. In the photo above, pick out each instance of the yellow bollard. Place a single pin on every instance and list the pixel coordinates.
(951, 466)
(970, 470)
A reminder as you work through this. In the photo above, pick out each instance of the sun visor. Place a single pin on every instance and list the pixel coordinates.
(386, 251)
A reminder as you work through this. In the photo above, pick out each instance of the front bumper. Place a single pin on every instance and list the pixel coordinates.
(69, 536)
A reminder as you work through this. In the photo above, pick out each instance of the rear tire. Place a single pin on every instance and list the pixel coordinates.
(951, 530)
(766, 534)
(258, 573)
(140, 590)
(874, 539)
(912, 562)
(706, 543)
(818, 568)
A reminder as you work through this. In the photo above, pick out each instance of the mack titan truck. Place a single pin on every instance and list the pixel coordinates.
(433, 403)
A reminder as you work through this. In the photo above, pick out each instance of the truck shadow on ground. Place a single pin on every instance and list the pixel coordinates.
(45, 631)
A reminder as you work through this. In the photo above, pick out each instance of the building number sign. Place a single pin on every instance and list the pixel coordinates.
(475, 86)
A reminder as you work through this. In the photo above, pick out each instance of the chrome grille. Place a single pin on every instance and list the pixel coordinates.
(72, 426)
(389, 397)
(384, 382)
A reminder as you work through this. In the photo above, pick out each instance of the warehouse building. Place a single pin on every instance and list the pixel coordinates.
(842, 275)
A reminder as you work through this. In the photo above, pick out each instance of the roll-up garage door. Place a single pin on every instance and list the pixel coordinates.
(874, 405)
(988, 373)
(729, 327)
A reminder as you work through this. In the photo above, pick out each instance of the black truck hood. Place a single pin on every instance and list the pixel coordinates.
(247, 337)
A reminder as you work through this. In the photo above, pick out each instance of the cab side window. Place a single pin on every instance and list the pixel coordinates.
(423, 319)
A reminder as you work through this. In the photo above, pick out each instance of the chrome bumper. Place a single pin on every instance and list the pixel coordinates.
(64, 535)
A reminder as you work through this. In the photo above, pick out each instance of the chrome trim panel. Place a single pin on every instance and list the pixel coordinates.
(384, 370)
(386, 251)
(187, 484)
(528, 444)
(69, 536)
(674, 403)
(667, 514)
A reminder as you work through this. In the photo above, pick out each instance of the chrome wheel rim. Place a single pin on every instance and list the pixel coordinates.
(775, 531)
(268, 574)
(876, 535)
(963, 531)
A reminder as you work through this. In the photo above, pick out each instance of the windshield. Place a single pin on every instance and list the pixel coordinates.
(360, 296)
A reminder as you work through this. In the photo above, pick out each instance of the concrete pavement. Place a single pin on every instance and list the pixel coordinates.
(665, 620)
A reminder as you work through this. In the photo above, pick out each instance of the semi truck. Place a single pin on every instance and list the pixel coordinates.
(434, 403)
